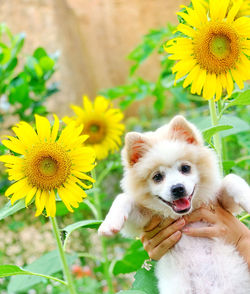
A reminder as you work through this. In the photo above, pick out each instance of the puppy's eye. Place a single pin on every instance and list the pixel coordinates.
(185, 168)
(157, 178)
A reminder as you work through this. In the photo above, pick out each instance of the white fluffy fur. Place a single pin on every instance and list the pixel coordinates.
(193, 265)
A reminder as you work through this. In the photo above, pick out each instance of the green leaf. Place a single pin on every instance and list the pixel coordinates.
(5, 55)
(10, 270)
(132, 260)
(239, 125)
(19, 91)
(11, 64)
(47, 264)
(33, 67)
(5, 29)
(9, 209)
(131, 292)
(7, 270)
(208, 133)
(228, 165)
(91, 224)
(150, 42)
(47, 63)
(18, 43)
(145, 281)
(242, 99)
(39, 53)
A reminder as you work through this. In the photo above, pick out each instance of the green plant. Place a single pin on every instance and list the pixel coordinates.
(24, 79)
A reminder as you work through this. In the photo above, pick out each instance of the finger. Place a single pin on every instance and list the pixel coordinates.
(208, 232)
(157, 252)
(154, 222)
(159, 227)
(163, 234)
(201, 214)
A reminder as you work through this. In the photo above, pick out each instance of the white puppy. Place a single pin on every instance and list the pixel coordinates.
(170, 172)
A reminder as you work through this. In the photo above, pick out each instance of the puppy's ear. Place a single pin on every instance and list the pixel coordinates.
(135, 146)
(180, 129)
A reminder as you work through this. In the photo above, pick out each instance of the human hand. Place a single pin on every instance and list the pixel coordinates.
(159, 236)
(223, 224)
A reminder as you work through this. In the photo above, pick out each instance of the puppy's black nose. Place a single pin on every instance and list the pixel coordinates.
(178, 191)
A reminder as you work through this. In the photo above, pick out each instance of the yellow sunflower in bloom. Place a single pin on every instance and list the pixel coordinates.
(49, 164)
(101, 123)
(214, 53)
(244, 9)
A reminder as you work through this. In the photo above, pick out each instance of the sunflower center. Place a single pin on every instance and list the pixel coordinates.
(220, 46)
(94, 128)
(97, 130)
(217, 47)
(47, 166)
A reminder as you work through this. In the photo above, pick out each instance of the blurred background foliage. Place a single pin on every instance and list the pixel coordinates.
(25, 85)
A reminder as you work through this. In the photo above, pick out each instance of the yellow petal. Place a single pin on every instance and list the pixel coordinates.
(101, 104)
(46, 205)
(15, 175)
(218, 90)
(11, 159)
(230, 84)
(234, 10)
(30, 195)
(78, 110)
(242, 26)
(40, 202)
(191, 76)
(237, 77)
(15, 145)
(43, 128)
(209, 86)
(26, 133)
(186, 30)
(83, 176)
(64, 196)
(183, 67)
(87, 104)
(75, 192)
(73, 180)
(69, 134)
(16, 196)
(55, 129)
(16, 187)
(52, 203)
(218, 9)
(200, 81)
(200, 10)
(21, 193)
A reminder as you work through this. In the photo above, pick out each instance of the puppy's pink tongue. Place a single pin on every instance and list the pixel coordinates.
(181, 204)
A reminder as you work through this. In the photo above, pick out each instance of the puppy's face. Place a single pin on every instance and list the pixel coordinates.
(169, 170)
(174, 185)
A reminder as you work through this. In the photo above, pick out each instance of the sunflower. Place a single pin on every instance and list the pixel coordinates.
(101, 123)
(214, 53)
(244, 9)
(49, 164)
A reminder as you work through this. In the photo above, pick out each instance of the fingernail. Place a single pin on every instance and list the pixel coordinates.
(185, 230)
(176, 235)
(180, 222)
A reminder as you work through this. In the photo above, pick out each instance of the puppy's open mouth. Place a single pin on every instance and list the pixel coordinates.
(181, 205)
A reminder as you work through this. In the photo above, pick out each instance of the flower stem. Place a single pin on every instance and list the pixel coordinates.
(62, 255)
(103, 241)
(244, 217)
(216, 136)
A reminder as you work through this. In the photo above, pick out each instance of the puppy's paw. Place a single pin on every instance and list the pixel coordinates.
(237, 189)
(109, 228)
